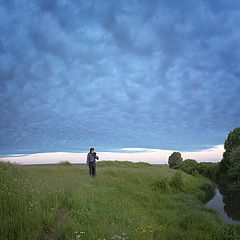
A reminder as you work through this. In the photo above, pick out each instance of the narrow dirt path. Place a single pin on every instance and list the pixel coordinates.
(62, 214)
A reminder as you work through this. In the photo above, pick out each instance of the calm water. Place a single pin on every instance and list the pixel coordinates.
(228, 206)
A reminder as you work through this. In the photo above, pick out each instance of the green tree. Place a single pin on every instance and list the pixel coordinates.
(174, 159)
(232, 141)
(234, 165)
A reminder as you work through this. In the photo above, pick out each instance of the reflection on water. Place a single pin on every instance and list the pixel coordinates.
(227, 205)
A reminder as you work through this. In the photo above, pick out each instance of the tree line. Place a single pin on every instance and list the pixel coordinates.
(226, 171)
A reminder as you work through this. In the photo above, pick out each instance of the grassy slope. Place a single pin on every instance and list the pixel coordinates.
(124, 201)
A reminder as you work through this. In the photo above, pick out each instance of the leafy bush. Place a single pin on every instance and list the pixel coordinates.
(166, 184)
(176, 181)
(188, 166)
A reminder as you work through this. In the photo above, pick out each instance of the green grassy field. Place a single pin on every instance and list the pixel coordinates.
(124, 201)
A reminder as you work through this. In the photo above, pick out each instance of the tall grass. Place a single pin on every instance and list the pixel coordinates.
(124, 201)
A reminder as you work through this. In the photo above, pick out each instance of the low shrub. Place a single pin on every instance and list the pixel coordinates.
(65, 163)
(176, 181)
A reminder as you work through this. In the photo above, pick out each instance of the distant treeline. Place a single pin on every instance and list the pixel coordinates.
(226, 171)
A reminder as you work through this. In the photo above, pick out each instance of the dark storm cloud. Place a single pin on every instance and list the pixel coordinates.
(154, 74)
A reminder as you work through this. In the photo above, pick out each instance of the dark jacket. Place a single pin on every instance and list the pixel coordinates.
(91, 158)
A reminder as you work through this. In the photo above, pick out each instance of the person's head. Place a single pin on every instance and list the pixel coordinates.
(92, 150)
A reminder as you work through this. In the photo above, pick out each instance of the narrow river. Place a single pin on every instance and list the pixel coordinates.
(228, 210)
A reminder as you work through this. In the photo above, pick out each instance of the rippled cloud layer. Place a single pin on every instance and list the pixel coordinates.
(117, 74)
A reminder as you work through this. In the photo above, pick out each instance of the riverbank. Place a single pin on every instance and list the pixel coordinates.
(125, 201)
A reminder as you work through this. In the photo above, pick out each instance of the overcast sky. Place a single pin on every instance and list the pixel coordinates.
(118, 74)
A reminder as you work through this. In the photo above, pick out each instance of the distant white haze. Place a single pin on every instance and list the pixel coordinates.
(153, 156)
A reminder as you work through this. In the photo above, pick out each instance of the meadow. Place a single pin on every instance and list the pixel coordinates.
(124, 201)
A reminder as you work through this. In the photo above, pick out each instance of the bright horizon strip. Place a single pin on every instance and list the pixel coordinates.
(153, 156)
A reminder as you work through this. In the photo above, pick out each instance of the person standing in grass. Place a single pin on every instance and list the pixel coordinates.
(91, 161)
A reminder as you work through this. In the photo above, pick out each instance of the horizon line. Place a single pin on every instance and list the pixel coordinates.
(153, 156)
